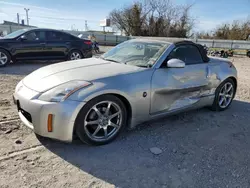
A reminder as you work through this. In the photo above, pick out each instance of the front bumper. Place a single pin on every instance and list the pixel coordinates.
(34, 114)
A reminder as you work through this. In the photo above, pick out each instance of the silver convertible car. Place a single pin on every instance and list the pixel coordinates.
(136, 81)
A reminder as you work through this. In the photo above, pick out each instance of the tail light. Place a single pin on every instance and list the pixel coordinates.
(87, 42)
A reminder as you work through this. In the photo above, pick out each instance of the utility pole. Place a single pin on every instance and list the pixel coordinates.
(18, 18)
(27, 15)
(86, 25)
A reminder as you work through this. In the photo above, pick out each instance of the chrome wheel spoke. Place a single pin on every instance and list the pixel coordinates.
(105, 132)
(91, 122)
(97, 130)
(114, 115)
(97, 112)
(221, 101)
(113, 125)
(229, 88)
(108, 109)
(229, 95)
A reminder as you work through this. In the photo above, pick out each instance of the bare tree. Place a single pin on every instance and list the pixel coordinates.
(153, 18)
(237, 30)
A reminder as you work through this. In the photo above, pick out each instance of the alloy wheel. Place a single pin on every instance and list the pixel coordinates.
(3, 58)
(103, 121)
(226, 95)
(75, 56)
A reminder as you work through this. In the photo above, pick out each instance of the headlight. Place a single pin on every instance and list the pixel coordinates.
(63, 91)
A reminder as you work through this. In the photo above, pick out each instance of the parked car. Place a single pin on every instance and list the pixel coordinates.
(42, 44)
(136, 81)
(248, 53)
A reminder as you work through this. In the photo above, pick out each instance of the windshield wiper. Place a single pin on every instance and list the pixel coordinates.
(111, 60)
(144, 66)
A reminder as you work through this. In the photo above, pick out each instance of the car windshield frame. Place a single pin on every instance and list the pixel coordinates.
(145, 59)
(15, 34)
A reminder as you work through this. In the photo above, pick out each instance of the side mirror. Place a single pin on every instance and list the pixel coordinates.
(175, 63)
(22, 38)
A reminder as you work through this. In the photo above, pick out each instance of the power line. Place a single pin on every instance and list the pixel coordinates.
(56, 18)
(53, 18)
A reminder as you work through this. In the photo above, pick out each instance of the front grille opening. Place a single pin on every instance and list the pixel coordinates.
(26, 115)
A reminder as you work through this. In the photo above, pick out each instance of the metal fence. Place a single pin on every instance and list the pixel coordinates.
(6, 29)
(227, 44)
(110, 39)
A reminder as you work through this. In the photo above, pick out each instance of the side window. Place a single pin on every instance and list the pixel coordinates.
(53, 35)
(188, 53)
(35, 36)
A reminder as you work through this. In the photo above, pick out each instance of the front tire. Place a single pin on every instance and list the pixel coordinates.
(5, 58)
(101, 120)
(224, 95)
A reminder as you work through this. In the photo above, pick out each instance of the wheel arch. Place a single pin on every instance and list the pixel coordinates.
(6, 51)
(235, 82)
(119, 96)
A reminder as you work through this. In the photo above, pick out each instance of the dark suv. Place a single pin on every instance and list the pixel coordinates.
(42, 44)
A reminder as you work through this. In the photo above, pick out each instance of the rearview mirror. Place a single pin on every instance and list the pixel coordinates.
(23, 37)
(175, 63)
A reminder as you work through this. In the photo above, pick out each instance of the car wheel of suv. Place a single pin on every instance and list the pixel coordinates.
(224, 95)
(248, 54)
(4, 58)
(101, 120)
(74, 55)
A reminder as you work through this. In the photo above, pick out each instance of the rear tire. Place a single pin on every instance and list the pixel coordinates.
(248, 54)
(75, 55)
(224, 95)
(5, 58)
(101, 120)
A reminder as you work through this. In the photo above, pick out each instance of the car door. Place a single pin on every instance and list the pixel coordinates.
(57, 45)
(176, 88)
(30, 46)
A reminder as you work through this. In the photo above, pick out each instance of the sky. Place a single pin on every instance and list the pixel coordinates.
(71, 14)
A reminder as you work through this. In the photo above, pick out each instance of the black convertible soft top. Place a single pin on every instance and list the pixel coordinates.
(199, 46)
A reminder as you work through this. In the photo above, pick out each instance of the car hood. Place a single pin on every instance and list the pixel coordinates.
(89, 69)
(5, 39)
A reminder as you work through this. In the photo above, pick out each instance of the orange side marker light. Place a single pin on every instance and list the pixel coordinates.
(50, 122)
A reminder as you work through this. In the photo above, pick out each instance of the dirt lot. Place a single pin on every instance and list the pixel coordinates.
(199, 148)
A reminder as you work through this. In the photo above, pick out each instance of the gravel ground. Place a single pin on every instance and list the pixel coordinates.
(195, 149)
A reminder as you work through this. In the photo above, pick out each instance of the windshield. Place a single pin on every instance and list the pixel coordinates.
(15, 34)
(137, 53)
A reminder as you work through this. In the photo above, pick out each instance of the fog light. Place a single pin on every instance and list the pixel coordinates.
(50, 122)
